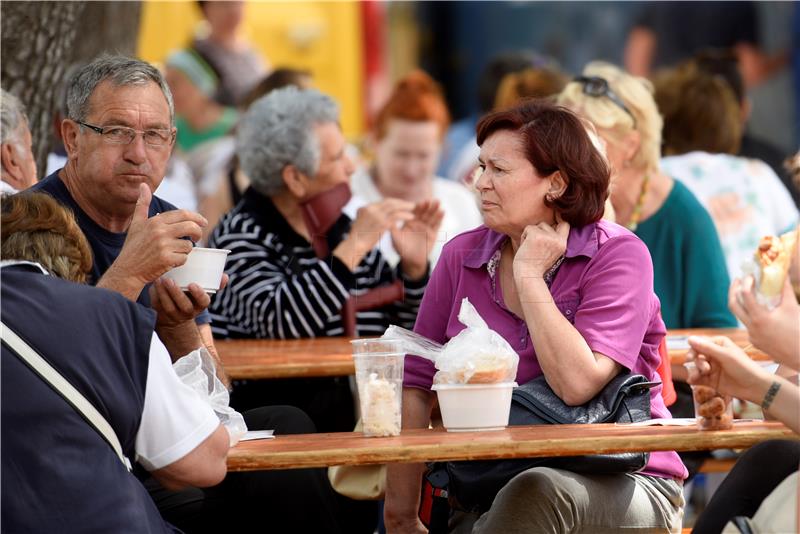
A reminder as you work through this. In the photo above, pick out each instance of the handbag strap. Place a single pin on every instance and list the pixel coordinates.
(74, 397)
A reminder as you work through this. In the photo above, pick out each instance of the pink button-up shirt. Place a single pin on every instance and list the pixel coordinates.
(604, 288)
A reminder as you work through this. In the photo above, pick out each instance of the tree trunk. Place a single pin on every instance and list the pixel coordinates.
(39, 44)
(111, 27)
(36, 47)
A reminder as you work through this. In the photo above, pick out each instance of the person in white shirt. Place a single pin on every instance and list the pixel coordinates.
(408, 134)
(702, 133)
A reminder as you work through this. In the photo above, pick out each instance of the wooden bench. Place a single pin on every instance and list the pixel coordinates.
(351, 448)
(717, 465)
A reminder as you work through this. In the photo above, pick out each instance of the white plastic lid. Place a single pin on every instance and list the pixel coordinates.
(497, 385)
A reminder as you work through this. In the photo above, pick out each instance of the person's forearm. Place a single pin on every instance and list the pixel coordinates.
(128, 286)
(565, 357)
(180, 340)
(414, 271)
(785, 403)
(403, 481)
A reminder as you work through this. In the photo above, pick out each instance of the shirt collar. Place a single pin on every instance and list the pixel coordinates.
(11, 263)
(581, 242)
(7, 188)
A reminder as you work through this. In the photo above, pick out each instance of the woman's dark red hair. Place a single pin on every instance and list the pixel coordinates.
(556, 140)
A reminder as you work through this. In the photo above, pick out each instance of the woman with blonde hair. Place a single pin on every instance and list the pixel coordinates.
(408, 135)
(691, 279)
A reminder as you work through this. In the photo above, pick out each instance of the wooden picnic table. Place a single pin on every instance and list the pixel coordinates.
(352, 448)
(737, 335)
(332, 356)
(286, 358)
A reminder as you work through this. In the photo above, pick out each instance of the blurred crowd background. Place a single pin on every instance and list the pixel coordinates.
(355, 50)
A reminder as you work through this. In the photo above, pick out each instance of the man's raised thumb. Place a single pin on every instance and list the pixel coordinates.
(142, 210)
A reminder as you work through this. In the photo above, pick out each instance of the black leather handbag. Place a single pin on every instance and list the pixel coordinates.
(473, 485)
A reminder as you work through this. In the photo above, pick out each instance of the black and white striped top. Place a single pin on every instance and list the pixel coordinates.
(278, 288)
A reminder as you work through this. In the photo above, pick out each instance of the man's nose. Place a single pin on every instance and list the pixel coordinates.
(136, 150)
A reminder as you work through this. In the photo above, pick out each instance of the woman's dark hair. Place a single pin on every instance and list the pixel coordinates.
(700, 111)
(556, 140)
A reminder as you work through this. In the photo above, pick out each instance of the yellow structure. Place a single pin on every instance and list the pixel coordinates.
(323, 37)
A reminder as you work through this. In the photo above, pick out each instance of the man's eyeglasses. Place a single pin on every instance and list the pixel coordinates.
(598, 87)
(122, 135)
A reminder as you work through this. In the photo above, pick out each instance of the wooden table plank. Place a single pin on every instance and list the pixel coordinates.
(290, 358)
(332, 356)
(737, 335)
(350, 448)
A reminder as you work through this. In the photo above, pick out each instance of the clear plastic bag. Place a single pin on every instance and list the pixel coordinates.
(197, 370)
(476, 355)
(750, 267)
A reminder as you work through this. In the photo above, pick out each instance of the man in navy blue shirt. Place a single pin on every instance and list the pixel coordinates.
(118, 136)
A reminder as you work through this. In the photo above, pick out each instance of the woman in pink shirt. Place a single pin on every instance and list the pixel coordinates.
(573, 295)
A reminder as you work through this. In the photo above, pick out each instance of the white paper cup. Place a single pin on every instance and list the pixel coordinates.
(468, 407)
(379, 377)
(204, 267)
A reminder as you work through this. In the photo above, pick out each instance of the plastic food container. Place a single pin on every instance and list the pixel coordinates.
(468, 407)
(204, 267)
(379, 378)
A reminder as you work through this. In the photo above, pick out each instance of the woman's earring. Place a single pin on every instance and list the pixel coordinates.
(548, 197)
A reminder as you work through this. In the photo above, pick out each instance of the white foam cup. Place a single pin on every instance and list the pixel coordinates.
(468, 407)
(204, 267)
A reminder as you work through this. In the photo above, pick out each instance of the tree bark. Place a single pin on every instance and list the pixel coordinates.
(41, 40)
(111, 27)
(36, 47)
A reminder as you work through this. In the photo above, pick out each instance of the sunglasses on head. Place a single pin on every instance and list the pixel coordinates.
(598, 87)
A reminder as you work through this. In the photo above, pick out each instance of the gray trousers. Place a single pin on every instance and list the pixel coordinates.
(544, 500)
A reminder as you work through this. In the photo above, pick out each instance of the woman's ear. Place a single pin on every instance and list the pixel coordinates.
(630, 144)
(296, 182)
(557, 185)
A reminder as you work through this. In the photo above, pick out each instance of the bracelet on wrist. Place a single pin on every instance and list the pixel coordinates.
(770, 395)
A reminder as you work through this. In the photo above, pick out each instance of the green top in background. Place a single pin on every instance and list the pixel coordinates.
(691, 278)
(188, 138)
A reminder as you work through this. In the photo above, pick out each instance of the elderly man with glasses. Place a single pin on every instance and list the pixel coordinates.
(118, 134)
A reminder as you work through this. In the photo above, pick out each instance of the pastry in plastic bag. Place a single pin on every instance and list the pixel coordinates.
(476, 355)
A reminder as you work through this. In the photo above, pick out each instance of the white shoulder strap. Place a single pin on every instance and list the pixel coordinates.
(60, 384)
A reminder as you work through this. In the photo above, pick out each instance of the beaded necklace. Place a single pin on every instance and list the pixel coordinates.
(637, 209)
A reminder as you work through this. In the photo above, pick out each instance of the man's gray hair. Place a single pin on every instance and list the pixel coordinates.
(120, 71)
(12, 116)
(278, 130)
